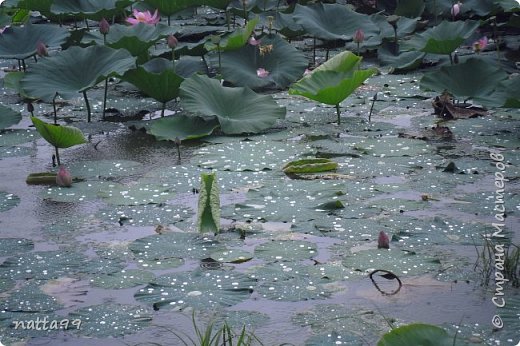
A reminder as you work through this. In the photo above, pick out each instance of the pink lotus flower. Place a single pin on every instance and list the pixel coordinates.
(253, 41)
(4, 29)
(262, 72)
(479, 45)
(455, 9)
(63, 178)
(144, 17)
(383, 242)
(104, 26)
(306, 72)
(359, 36)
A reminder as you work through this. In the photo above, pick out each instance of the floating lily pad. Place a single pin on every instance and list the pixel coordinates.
(111, 320)
(286, 250)
(8, 201)
(182, 127)
(295, 289)
(11, 246)
(15, 151)
(334, 317)
(126, 278)
(15, 137)
(232, 256)
(398, 205)
(146, 215)
(29, 299)
(248, 155)
(105, 168)
(78, 192)
(238, 319)
(156, 248)
(416, 334)
(44, 265)
(197, 289)
(136, 193)
(335, 338)
(402, 263)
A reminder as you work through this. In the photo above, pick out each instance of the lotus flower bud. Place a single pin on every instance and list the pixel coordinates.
(41, 49)
(455, 9)
(359, 36)
(63, 178)
(479, 45)
(383, 242)
(30, 107)
(104, 27)
(172, 41)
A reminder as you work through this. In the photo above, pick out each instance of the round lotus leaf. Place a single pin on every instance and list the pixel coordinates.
(79, 191)
(335, 338)
(125, 278)
(146, 215)
(105, 168)
(9, 117)
(232, 256)
(399, 262)
(111, 320)
(286, 250)
(6, 152)
(355, 230)
(334, 317)
(278, 271)
(197, 289)
(417, 334)
(44, 265)
(29, 298)
(8, 201)
(17, 327)
(103, 266)
(136, 193)
(173, 245)
(294, 290)
(11, 246)
(248, 155)
(397, 205)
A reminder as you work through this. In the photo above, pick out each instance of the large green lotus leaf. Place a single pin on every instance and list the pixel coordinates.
(401, 263)
(208, 211)
(334, 22)
(12, 81)
(443, 38)
(157, 79)
(342, 319)
(11, 246)
(234, 40)
(43, 265)
(136, 193)
(232, 256)
(405, 26)
(183, 127)
(29, 298)
(506, 94)
(92, 9)
(239, 110)
(8, 117)
(334, 80)
(42, 6)
(286, 250)
(169, 7)
(125, 278)
(285, 24)
(8, 201)
(403, 62)
(461, 79)
(75, 70)
(284, 63)
(197, 289)
(58, 135)
(20, 42)
(295, 290)
(174, 245)
(111, 320)
(416, 334)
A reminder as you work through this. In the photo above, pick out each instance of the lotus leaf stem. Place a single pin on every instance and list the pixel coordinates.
(338, 112)
(89, 113)
(57, 156)
(105, 98)
(387, 275)
(54, 109)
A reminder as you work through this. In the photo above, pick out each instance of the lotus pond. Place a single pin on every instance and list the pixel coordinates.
(235, 163)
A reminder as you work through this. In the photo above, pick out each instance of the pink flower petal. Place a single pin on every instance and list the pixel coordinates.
(262, 73)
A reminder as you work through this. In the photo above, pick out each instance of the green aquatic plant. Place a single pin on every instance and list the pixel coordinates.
(333, 81)
(59, 136)
(416, 334)
(208, 218)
